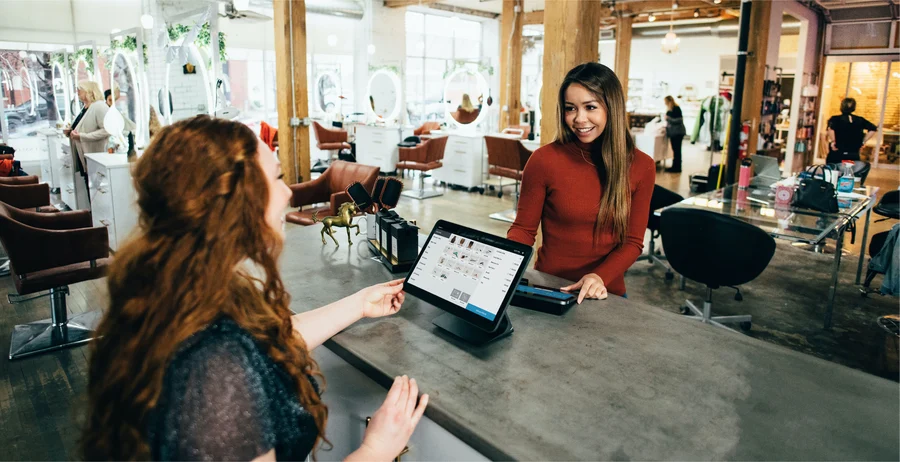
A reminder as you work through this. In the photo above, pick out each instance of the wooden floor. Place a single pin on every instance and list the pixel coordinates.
(42, 398)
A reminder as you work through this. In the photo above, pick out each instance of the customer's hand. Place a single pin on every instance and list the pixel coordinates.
(591, 286)
(382, 299)
(75, 135)
(393, 423)
(66, 132)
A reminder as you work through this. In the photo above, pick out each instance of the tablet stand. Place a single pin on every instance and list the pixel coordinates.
(469, 332)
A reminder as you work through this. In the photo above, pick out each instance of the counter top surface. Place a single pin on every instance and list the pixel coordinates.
(109, 160)
(610, 379)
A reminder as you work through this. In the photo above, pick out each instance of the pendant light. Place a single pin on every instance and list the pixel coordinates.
(671, 41)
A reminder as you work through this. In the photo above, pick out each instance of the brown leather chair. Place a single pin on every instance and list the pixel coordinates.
(24, 192)
(328, 139)
(49, 252)
(427, 128)
(425, 157)
(329, 187)
(506, 159)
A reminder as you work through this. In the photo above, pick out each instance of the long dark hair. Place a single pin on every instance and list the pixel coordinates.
(613, 159)
(202, 197)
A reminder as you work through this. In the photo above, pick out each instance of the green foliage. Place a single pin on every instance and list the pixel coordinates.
(452, 66)
(128, 44)
(177, 31)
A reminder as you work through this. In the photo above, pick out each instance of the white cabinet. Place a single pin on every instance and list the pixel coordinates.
(351, 396)
(56, 161)
(72, 189)
(377, 146)
(463, 161)
(31, 152)
(113, 198)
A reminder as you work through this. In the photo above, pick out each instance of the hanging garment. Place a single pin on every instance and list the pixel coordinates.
(714, 112)
(268, 134)
(887, 262)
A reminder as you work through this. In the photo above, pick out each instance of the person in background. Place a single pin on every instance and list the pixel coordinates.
(466, 112)
(847, 133)
(589, 190)
(199, 356)
(675, 131)
(88, 134)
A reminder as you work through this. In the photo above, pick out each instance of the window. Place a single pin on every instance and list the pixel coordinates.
(434, 45)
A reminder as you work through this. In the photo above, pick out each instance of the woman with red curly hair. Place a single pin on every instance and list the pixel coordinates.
(199, 356)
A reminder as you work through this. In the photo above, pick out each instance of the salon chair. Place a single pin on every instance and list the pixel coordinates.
(24, 192)
(506, 159)
(427, 128)
(425, 157)
(661, 198)
(889, 208)
(47, 253)
(329, 188)
(715, 250)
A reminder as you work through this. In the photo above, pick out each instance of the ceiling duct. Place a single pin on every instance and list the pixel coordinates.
(262, 10)
(724, 28)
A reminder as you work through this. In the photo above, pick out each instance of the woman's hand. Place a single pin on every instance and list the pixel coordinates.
(393, 423)
(382, 299)
(66, 132)
(591, 287)
(75, 135)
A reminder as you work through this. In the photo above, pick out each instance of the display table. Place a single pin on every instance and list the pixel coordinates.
(653, 143)
(611, 379)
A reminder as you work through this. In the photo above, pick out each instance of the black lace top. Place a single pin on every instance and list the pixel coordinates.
(224, 398)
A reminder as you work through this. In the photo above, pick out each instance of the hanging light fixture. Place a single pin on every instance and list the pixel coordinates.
(670, 41)
(697, 13)
(652, 17)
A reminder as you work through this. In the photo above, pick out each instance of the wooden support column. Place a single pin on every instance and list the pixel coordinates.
(623, 50)
(290, 91)
(511, 62)
(760, 21)
(571, 37)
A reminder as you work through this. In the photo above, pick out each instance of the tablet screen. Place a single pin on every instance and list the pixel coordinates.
(474, 275)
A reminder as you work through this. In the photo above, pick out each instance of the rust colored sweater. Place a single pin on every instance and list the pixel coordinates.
(561, 192)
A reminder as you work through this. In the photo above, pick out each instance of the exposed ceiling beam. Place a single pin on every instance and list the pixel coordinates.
(463, 10)
(663, 6)
(682, 14)
(534, 17)
(404, 3)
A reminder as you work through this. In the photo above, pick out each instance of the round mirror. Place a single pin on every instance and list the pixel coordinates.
(464, 95)
(26, 85)
(384, 94)
(125, 94)
(60, 93)
(188, 86)
(328, 93)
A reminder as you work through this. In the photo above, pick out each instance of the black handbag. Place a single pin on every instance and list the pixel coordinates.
(816, 194)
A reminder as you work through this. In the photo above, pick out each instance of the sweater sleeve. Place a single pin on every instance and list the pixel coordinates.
(98, 113)
(619, 260)
(531, 200)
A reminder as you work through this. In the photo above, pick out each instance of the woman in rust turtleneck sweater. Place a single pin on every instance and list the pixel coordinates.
(589, 190)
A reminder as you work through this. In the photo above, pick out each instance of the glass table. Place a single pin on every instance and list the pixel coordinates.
(757, 206)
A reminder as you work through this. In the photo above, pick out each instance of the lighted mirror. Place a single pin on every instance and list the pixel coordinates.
(384, 94)
(464, 94)
(25, 84)
(60, 93)
(328, 93)
(126, 98)
(189, 88)
(82, 71)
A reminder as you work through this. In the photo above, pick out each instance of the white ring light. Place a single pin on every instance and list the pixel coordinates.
(396, 81)
(32, 84)
(483, 87)
(320, 103)
(61, 81)
(207, 85)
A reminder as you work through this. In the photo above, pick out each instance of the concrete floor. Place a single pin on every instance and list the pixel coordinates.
(787, 301)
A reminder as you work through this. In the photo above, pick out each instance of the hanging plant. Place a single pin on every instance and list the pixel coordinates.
(86, 54)
(457, 64)
(394, 69)
(128, 44)
(177, 31)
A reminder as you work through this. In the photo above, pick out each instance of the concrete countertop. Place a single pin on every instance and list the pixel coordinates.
(109, 160)
(610, 379)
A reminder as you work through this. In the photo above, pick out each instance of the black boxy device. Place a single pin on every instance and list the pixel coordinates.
(543, 299)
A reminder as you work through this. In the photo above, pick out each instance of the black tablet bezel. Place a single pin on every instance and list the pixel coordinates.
(484, 238)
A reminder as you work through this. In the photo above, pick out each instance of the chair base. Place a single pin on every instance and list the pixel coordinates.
(42, 336)
(420, 194)
(705, 316)
(655, 259)
(4, 267)
(508, 216)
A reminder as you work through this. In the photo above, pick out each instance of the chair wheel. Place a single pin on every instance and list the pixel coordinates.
(684, 310)
(500, 194)
(481, 191)
(745, 325)
(491, 187)
(670, 276)
(738, 297)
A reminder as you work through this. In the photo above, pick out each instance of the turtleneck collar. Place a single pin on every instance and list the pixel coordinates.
(579, 147)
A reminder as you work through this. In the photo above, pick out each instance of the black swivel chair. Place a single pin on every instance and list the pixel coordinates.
(715, 250)
(661, 198)
(889, 208)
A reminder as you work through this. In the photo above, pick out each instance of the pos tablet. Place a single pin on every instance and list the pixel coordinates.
(472, 276)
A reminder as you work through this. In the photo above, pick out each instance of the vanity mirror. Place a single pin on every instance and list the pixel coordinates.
(61, 93)
(384, 95)
(464, 94)
(188, 86)
(328, 92)
(126, 95)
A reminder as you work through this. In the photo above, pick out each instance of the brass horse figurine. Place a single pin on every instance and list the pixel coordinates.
(343, 220)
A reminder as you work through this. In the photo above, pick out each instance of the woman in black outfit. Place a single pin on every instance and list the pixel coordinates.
(845, 133)
(675, 131)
